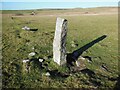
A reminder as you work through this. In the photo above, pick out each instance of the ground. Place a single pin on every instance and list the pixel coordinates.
(84, 26)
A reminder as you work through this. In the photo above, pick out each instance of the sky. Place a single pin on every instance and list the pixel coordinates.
(45, 5)
(59, 0)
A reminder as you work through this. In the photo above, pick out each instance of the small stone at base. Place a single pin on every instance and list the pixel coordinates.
(32, 54)
(40, 60)
(24, 61)
(47, 74)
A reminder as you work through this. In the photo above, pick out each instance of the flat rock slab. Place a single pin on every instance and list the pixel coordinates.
(59, 43)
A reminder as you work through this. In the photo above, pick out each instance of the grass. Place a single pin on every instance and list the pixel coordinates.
(18, 43)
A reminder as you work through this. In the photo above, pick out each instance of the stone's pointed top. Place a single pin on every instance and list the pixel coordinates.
(61, 19)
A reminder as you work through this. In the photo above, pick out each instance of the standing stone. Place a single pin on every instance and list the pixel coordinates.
(59, 43)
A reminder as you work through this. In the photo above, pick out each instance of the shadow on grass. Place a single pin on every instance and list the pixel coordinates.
(33, 29)
(55, 74)
(45, 66)
(72, 57)
(88, 71)
(117, 86)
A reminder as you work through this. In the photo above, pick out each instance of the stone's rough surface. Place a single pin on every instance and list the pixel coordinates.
(59, 43)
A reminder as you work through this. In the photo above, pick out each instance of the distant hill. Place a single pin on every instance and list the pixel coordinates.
(54, 11)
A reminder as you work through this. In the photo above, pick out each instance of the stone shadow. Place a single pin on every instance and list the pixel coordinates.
(55, 74)
(117, 86)
(92, 76)
(33, 29)
(88, 71)
(72, 57)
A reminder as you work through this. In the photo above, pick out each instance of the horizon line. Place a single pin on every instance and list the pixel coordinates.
(62, 8)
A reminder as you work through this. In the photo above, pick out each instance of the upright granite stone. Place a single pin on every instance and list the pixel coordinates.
(59, 43)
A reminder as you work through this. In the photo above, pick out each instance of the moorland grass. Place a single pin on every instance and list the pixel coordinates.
(18, 43)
